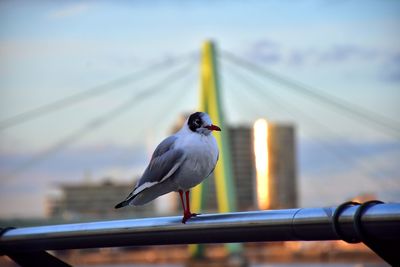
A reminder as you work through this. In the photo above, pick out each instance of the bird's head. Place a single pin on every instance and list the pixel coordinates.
(200, 122)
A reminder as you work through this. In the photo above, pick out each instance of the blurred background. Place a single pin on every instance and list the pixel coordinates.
(89, 88)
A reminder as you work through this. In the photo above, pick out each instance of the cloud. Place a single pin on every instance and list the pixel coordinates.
(346, 153)
(73, 161)
(298, 57)
(347, 52)
(333, 188)
(364, 167)
(266, 51)
(391, 70)
(381, 63)
(69, 11)
(270, 51)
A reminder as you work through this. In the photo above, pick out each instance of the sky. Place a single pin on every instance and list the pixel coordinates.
(50, 50)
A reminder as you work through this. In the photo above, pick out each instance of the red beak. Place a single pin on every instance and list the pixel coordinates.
(213, 127)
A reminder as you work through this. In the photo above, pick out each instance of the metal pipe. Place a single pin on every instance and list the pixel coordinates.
(381, 221)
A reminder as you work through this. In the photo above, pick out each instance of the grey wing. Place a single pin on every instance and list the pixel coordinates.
(166, 145)
(163, 164)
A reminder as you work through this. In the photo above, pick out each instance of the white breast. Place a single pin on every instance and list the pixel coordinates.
(201, 156)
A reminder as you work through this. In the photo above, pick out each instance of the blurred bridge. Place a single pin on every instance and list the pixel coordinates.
(175, 76)
(377, 226)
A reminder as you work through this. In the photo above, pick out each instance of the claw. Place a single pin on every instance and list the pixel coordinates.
(187, 216)
(186, 208)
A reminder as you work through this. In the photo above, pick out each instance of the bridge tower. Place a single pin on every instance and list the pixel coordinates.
(210, 102)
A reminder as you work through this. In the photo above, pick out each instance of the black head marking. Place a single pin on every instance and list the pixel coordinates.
(195, 121)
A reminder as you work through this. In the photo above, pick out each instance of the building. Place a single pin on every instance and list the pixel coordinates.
(282, 166)
(282, 180)
(94, 200)
(241, 144)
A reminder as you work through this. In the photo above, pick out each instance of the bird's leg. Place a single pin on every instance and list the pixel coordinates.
(188, 204)
(182, 201)
(187, 214)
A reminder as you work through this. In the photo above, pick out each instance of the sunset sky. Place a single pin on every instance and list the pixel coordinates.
(53, 49)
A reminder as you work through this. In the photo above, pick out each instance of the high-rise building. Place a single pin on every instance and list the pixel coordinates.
(281, 185)
(242, 156)
(282, 166)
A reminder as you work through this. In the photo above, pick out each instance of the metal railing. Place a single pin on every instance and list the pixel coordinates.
(377, 224)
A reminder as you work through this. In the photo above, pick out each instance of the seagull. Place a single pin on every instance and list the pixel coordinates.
(179, 163)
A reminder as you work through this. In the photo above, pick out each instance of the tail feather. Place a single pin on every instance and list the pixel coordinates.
(122, 204)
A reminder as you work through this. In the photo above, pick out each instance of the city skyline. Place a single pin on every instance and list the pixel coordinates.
(52, 50)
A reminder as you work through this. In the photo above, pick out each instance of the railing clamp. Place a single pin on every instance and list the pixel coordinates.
(335, 221)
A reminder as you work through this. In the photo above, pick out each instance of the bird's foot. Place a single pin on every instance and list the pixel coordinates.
(188, 215)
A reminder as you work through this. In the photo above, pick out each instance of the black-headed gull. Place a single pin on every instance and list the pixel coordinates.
(179, 163)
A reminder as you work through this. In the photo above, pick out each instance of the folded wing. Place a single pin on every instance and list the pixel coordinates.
(163, 164)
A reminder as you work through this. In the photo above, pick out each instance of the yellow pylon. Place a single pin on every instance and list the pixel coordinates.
(210, 102)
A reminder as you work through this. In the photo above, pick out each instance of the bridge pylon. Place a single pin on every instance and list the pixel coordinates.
(210, 102)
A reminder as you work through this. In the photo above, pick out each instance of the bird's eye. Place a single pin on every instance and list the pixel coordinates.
(197, 122)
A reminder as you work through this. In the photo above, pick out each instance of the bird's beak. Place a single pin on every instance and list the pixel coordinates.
(213, 127)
